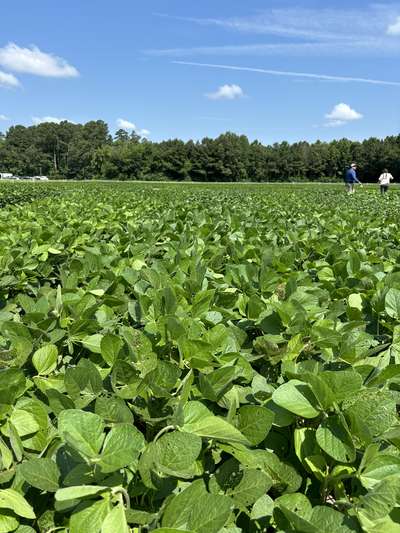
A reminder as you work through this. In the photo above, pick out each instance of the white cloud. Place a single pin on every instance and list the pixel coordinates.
(130, 126)
(33, 61)
(318, 31)
(143, 132)
(41, 120)
(126, 124)
(3, 117)
(8, 80)
(306, 75)
(394, 29)
(341, 114)
(226, 92)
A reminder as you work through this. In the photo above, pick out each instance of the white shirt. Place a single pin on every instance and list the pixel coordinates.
(385, 178)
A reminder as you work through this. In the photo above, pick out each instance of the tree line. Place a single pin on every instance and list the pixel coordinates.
(88, 151)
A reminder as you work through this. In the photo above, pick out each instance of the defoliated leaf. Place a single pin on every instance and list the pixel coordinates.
(392, 303)
(121, 448)
(296, 397)
(177, 452)
(41, 473)
(115, 521)
(200, 421)
(335, 440)
(45, 359)
(82, 430)
(13, 500)
(255, 422)
(89, 517)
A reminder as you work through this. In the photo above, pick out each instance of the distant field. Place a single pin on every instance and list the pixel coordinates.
(200, 358)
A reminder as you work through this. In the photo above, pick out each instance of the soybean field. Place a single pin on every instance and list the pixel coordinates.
(199, 358)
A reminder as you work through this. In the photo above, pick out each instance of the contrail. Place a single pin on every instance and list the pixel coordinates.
(308, 75)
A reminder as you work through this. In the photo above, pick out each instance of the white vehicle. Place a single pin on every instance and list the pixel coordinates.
(5, 175)
(41, 178)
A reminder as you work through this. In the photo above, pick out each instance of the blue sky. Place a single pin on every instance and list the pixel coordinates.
(273, 70)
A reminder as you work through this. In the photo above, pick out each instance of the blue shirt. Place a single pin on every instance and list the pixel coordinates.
(351, 176)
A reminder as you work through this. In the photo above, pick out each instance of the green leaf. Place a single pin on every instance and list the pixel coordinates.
(255, 422)
(76, 493)
(262, 508)
(374, 408)
(45, 359)
(24, 422)
(200, 421)
(89, 517)
(251, 486)
(24, 529)
(171, 530)
(209, 513)
(328, 520)
(82, 430)
(213, 386)
(121, 448)
(41, 473)
(176, 453)
(178, 509)
(15, 441)
(8, 522)
(115, 521)
(343, 384)
(13, 500)
(334, 439)
(93, 343)
(83, 379)
(381, 500)
(110, 346)
(392, 303)
(296, 397)
(379, 468)
(12, 385)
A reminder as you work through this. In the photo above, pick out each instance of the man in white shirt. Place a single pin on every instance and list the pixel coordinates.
(384, 181)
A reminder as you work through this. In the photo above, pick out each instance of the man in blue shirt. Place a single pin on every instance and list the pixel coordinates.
(351, 178)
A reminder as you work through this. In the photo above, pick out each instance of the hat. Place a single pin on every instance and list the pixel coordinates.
(353, 165)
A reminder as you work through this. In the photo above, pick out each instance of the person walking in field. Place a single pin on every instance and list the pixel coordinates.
(384, 181)
(351, 178)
